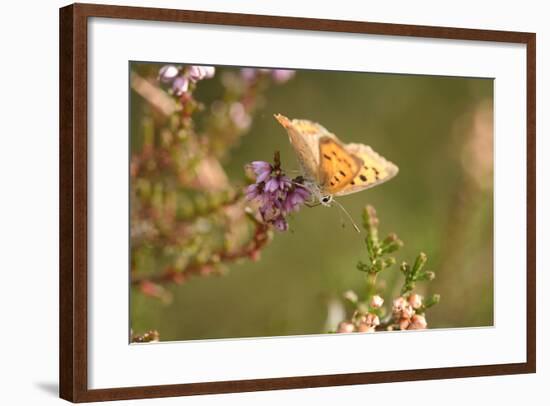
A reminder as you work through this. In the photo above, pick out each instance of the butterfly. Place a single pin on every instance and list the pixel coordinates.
(331, 168)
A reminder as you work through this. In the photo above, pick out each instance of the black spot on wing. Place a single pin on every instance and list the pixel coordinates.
(363, 177)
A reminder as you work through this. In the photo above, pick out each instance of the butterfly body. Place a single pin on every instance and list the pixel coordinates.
(331, 168)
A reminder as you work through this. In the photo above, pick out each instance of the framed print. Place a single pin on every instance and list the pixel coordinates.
(241, 212)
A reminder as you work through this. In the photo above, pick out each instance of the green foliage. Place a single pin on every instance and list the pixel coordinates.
(187, 216)
(366, 312)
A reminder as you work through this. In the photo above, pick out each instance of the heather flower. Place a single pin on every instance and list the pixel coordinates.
(404, 323)
(209, 72)
(371, 319)
(402, 308)
(278, 182)
(282, 75)
(418, 322)
(239, 116)
(407, 311)
(277, 194)
(196, 73)
(351, 296)
(180, 85)
(415, 300)
(280, 223)
(376, 302)
(270, 208)
(345, 327)
(277, 75)
(168, 73)
(296, 198)
(248, 74)
(367, 323)
(179, 81)
(399, 304)
(253, 191)
(262, 170)
(365, 328)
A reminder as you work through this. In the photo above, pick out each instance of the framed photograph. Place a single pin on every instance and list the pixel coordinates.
(254, 202)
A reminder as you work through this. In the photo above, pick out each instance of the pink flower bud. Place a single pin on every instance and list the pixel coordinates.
(178, 278)
(404, 323)
(372, 319)
(209, 72)
(282, 75)
(399, 304)
(418, 322)
(346, 327)
(255, 255)
(239, 116)
(376, 302)
(402, 308)
(248, 74)
(149, 288)
(415, 300)
(407, 311)
(206, 270)
(168, 73)
(180, 85)
(195, 73)
(365, 328)
(351, 296)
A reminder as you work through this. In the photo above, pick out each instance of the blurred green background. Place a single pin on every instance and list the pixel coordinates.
(438, 130)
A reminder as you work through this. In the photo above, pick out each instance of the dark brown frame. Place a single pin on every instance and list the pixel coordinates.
(73, 332)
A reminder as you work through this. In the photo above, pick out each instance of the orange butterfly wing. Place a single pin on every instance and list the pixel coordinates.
(373, 171)
(337, 166)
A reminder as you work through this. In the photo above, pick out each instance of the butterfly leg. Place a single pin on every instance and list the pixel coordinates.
(312, 204)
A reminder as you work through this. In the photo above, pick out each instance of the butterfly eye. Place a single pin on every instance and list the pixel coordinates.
(326, 199)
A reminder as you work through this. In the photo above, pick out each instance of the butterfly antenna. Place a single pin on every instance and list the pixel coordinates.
(342, 220)
(347, 214)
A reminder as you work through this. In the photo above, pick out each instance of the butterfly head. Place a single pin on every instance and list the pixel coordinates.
(326, 200)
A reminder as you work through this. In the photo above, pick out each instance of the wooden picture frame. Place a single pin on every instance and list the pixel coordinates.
(73, 197)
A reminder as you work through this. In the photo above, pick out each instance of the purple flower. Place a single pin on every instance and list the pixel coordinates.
(276, 183)
(196, 73)
(248, 74)
(209, 72)
(168, 73)
(262, 170)
(179, 81)
(282, 75)
(239, 116)
(278, 75)
(180, 85)
(270, 208)
(253, 191)
(280, 223)
(276, 194)
(296, 198)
